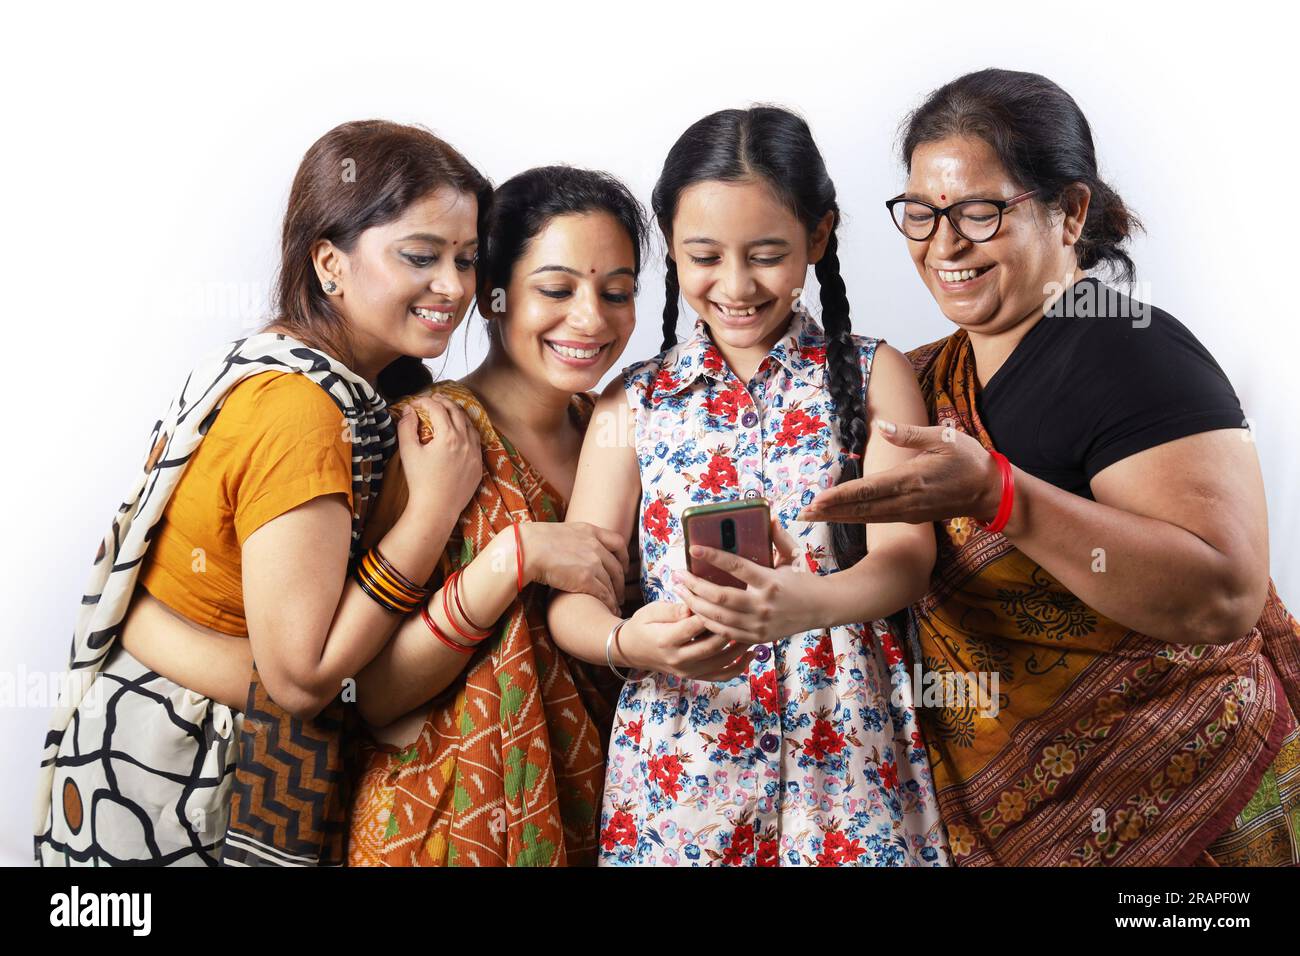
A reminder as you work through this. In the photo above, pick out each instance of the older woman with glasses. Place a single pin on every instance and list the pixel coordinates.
(1103, 543)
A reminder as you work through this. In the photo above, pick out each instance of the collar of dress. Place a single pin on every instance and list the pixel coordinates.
(801, 352)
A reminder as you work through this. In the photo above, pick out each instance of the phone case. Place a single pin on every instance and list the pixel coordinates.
(702, 524)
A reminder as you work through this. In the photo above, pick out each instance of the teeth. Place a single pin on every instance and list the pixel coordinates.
(575, 353)
(737, 313)
(961, 276)
(442, 318)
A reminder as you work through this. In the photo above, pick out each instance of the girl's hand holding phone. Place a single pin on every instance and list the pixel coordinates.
(667, 638)
(771, 607)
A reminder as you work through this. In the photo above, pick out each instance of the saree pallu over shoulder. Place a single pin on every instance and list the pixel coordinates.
(508, 765)
(1099, 745)
(285, 807)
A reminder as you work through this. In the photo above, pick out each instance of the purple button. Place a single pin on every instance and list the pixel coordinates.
(769, 742)
(749, 419)
(761, 653)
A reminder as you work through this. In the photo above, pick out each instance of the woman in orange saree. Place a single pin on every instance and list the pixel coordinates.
(1135, 677)
(488, 743)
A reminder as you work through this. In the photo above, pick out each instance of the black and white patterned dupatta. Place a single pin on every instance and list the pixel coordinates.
(285, 810)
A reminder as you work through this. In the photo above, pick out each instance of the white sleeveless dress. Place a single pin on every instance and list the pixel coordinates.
(814, 757)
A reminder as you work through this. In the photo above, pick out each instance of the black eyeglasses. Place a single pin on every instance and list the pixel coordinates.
(976, 220)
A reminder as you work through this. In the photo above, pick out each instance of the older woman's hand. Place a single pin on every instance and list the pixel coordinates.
(953, 476)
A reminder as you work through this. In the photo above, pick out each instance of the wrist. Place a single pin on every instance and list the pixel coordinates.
(525, 541)
(426, 519)
(624, 641)
(1016, 523)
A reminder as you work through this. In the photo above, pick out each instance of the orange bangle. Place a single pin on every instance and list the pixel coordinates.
(394, 596)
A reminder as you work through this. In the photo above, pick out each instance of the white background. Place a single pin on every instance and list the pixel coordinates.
(149, 155)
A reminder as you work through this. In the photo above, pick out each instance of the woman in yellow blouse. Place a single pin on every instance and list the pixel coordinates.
(237, 552)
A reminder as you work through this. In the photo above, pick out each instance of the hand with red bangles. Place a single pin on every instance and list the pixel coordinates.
(574, 556)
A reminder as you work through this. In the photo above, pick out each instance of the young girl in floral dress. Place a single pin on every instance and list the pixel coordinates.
(765, 725)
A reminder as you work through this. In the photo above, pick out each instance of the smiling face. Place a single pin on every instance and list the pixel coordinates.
(742, 258)
(570, 302)
(987, 287)
(406, 284)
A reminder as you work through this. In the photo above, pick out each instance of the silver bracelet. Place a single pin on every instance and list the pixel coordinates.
(609, 650)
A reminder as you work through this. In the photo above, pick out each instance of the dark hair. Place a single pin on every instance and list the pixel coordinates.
(774, 146)
(524, 205)
(359, 175)
(1044, 142)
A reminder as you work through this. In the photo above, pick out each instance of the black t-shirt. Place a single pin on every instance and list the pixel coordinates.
(1099, 378)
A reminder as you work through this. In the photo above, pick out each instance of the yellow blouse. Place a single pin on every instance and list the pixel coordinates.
(278, 442)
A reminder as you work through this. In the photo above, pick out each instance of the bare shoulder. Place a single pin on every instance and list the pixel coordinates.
(892, 381)
(890, 364)
(607, 484)
(611, 432)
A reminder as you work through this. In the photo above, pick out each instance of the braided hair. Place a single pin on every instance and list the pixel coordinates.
(775, 146)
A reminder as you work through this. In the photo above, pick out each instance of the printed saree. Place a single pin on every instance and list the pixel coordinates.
(167, 755)
(508, 766)
(1106, 747)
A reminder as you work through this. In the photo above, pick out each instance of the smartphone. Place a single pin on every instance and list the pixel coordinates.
(744, 528)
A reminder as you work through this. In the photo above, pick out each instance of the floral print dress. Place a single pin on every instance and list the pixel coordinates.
(814, 757)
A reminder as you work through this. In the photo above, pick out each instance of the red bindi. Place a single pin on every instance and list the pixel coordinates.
(943, 198)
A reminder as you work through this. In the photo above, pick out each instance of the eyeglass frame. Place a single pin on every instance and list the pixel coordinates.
(1002, 206)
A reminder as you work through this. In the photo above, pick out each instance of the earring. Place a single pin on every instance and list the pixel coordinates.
(330, 287)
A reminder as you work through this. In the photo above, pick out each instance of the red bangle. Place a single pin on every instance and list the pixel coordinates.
(519, 554)
(461, 608)
(1008, 496)
(428, 619)
(446, 609)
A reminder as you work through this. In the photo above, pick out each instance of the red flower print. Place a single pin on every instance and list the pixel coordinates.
(656, 519)
(620, 831)
(712, 360)
(666, 771)
(893, 653)
(726, 404)
(741, 847)
(763, 690)
(664, 382)
(821, 657)
(813, 353)
(767, 853)
(738, 736)
(825, 740)
(633, 729)
(837, 849)
(795, 425)
(721, 474)
(889, 775)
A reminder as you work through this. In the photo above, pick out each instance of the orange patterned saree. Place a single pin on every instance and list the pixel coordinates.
(508, 766)
(1105, 747)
